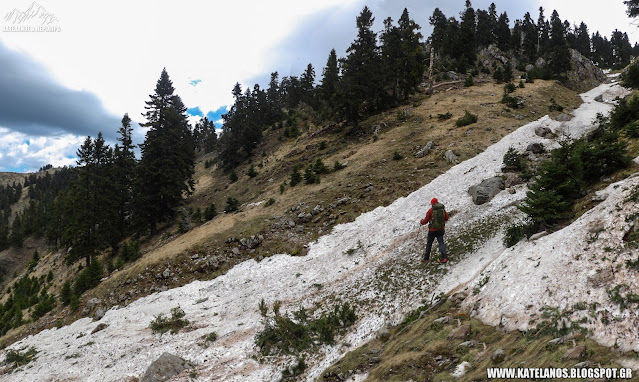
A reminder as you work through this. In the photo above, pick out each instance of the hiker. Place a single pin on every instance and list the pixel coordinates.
(436, 218)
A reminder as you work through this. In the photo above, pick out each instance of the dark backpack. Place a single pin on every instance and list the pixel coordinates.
(438, 220)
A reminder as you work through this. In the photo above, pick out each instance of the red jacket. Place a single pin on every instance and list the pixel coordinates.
(429, 216)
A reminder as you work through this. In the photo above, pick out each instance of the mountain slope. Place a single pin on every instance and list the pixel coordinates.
(371, 262)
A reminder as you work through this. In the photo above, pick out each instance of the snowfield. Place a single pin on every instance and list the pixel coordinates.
(373, 263)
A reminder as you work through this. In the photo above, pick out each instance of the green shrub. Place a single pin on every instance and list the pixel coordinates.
(302, 332)
(269, 203)
(17, 358)
(296, 176)
(509, 88)
(517, 232)
(630, 78)
(443, 117)
(338, 166)
(88, 278)
(232, 205)
(521, 84)
(469, 81)
(512, 102)
(251, 172)
(320, 168)
(513, 160)
(397, 156)
(163, 324)
(323, 145)
(467, 119)
(210, 212)
(233, 176)
(554, 106)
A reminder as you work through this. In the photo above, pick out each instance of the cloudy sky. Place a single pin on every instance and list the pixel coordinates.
(71, 68)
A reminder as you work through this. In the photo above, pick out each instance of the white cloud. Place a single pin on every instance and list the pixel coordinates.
(23, 153)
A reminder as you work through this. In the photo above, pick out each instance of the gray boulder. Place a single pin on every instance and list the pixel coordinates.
(535, 148)
(165, 367)
(543, 131)
(424, 151)
(450, 157)
(486, 190)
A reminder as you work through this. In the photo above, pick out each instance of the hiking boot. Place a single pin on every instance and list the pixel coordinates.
(425, 259)
(442, 261)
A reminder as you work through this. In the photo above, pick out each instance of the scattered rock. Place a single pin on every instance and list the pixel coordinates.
(601, 278)
(167, 273)
(543, 131)
(458, 297)
(99, 313)
(578, 352)
(538, 235)
(512, 179)
(424, 151)
(557, 341)
(450, 157)
(468, 344)
(600, 196)
(460, 332)
(235, 251)
(498, 356)
(599, 98)
(563, 117)
(486, 190)
(92, 303)
(443, 320)
(99, 327)
(318, 209)
(304, 217)
(165, 367)
(535, 148)
(583, 364)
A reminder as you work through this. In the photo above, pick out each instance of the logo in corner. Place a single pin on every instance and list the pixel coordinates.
(35, 18)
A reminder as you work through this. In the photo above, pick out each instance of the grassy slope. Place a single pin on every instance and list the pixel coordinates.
(370, 162)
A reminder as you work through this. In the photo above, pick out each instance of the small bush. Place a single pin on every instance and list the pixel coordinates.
(467, 119)
(17, 358)
(512, 102)
(210, 212)
(517, 232)
(251, 172)
(554, 106)
(232, 205)
(162, 324)
(513, 160)
(469, 81)
(443, 117)
(521, 84)
(269, 203)
(397, 156)
(310, 176)
(338, 166)
(320, 168)
(509, 88)
(233, 177)
(296, 176)
(323, 145)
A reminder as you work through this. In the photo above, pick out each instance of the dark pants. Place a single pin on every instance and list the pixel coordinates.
(440, 240)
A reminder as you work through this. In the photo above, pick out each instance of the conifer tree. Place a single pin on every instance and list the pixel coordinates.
(543, 31)
(502, 33)
(361, 86)
(123, 174)
(559, 54)
(330, 80)
(165, 171)
(307, 85)
(438, 36)
(583, 40)
(466, 46)
(530, 39)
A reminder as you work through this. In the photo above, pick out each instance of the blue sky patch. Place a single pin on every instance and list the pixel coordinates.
(195, 111)
(194, 82)
(216, 115)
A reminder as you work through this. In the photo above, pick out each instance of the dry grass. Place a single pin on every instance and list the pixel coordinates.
(370, 162)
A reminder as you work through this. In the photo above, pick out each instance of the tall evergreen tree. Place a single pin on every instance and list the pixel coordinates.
(307, 85)
(361, 86)
(466, 46)
(621, 49)
(559, 54)
(583, 40)
(165, 171)
(123, 175)
(330, 80)
(530, 39)
(204, 135)
(502, 32)
(440, 29)
(485, 28)
(543, 33)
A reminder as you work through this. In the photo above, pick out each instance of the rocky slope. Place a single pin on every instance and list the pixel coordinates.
(373, 263)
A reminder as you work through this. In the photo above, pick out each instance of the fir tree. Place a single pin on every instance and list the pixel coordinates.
(559, 54)
(330, 80)
(440, 28)
(502, 32)
(361, 86)
(165, 172)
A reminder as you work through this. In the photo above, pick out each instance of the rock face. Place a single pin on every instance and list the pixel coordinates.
(584, 74)
(486, 190)
(424, 151)
(165, 367)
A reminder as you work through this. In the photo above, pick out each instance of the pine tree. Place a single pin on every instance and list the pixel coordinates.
(123, 174)
(361, 87)
(632, 8)
(165, 171)
(307, 85)
(485, 28)
(559, 54)
(583, 40)
(466, 46)
(440, 27)
(273, 99)
(530, 39)
(330, 80)
(502, 33)
(543, 31)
